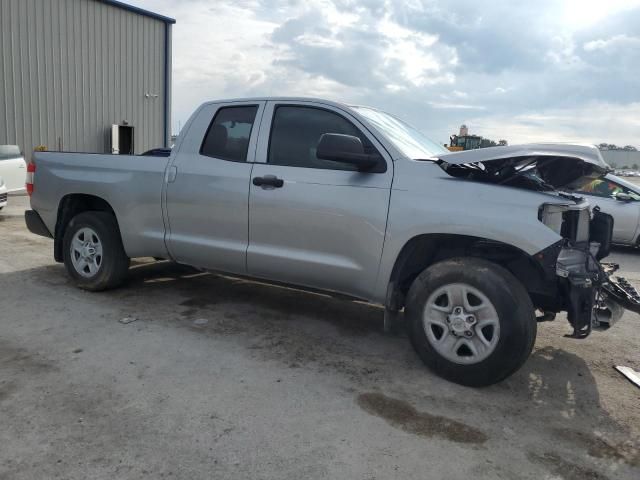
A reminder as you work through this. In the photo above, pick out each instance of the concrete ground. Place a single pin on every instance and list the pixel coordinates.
(222, 378)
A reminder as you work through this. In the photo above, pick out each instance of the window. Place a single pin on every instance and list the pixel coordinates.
(229, 133)
(406, 138)
(8, 152)
(603, 187)
(295, 134)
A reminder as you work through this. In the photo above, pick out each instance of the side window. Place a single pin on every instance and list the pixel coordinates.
(296, 131)
(229, 133)
(603, 187)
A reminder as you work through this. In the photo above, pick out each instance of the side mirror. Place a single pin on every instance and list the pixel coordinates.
(624, 197)
(345, 149)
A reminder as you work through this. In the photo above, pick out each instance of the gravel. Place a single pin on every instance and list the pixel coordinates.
(224, 378)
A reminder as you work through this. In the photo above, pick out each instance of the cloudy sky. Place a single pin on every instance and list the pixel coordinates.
(549, 70)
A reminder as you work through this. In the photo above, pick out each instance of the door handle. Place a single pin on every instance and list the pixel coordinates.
(268, 181)
(171, 174)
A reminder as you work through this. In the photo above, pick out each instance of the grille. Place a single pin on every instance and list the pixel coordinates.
(3, 197)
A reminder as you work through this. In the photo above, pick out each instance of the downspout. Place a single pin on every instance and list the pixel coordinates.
(167, 83)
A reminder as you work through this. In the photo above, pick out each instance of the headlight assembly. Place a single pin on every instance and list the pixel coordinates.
(571, 220)
(551, 215)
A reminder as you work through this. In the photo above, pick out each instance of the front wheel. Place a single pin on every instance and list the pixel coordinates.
(93, 251)
(471, 321)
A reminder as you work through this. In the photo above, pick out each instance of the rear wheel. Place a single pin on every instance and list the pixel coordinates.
(471, 321)
(93, 251)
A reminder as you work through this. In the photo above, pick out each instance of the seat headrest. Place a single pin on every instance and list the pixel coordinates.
(218, 138)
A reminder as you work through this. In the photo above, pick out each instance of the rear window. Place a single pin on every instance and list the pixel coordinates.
(9, 151)
(229, 133)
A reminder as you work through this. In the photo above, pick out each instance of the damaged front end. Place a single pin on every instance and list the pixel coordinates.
(592, 297)
(578, 283)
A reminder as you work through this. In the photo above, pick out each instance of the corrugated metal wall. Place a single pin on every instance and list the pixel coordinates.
(69, 69)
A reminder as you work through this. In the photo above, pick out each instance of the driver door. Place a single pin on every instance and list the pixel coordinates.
(315, 223)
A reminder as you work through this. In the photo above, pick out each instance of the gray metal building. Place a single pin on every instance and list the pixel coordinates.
(77, 74)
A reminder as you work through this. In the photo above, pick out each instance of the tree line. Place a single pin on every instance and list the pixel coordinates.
(611, 146)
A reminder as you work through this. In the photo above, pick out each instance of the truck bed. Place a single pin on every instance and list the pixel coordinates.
(131, 184)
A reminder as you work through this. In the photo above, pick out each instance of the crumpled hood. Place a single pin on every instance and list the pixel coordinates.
(558, 165)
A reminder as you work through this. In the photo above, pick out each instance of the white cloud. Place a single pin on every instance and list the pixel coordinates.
(312, 40)
(456, 106)
(590, 123)
(392, 87)
(562, 76)
(611, 44)
(581, 14)
(413, 54)
(562, 52)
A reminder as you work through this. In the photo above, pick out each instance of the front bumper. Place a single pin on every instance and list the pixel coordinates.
(35, 224)
(584, 287)
(593, 296)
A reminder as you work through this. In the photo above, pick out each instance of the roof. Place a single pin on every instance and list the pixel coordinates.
(279, 99)
(139, 11)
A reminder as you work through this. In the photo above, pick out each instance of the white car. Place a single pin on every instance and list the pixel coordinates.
(621, 199)
(13, 168)
(3, 194)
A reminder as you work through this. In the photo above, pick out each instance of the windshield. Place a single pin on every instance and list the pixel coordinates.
(9, 151)
(407, 139)
(601, 187)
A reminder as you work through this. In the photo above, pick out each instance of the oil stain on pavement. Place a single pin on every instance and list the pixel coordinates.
(565, 469)
(402, 415)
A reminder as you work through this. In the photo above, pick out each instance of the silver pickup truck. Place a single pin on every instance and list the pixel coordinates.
(476, 247)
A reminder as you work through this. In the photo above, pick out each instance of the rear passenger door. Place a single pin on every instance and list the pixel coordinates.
(207, 192)
(323, 226)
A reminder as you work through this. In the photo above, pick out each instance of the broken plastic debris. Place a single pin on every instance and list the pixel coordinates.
(630, 373)
(127, 320)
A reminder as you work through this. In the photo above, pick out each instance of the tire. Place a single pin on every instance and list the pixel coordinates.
(481, 353)
(108, 266)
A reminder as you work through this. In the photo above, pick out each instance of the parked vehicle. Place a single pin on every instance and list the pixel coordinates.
(351, 200)
(619, 198)
(12, 168)
(3, 194)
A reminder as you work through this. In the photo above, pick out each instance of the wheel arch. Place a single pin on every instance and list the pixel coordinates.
(424, 250)
(71, 205)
